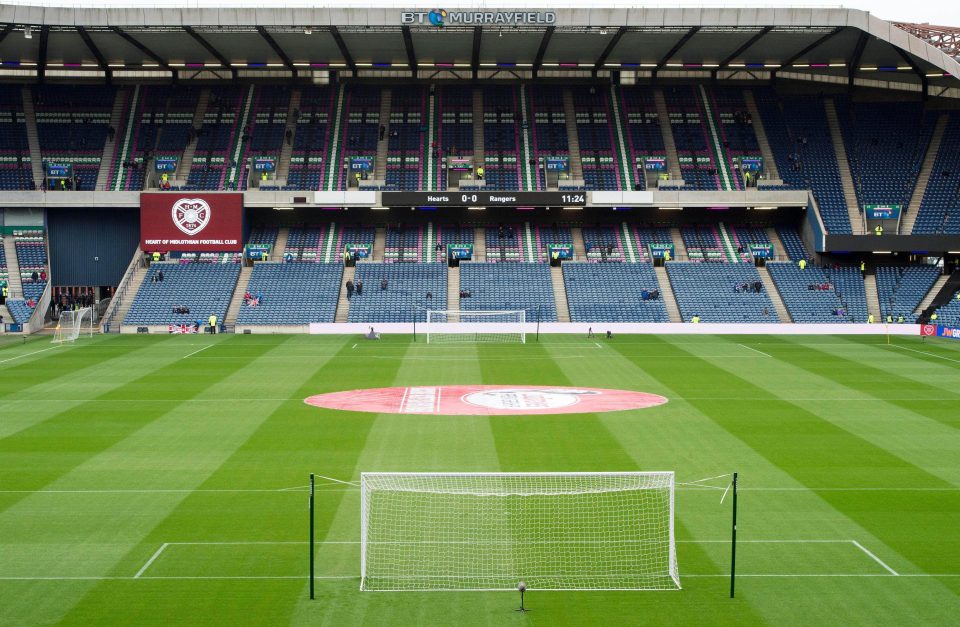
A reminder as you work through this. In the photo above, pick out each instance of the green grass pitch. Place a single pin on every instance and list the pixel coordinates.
(161, 479)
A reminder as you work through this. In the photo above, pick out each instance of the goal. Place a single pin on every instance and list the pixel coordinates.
(72, 324)
(488, 531)
(452, 326)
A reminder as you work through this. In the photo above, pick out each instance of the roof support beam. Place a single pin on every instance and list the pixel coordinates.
(857, 55)
(209, 48)
(544, 42)
(42, 60)
(746, 46)
(793, 59)
(267, 37)
(475, 55)
(347, 57)
(676, 48)
(411, 55)
(147, 51)
(924, 83)
(606, 51)
(85, 36)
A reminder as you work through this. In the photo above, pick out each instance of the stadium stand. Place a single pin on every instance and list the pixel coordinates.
(804, 151)
(501, 137)
(646, 235)
(405, 298)
(548, 131)
(792, 242)
(595, 135)
(292, 294)
(940, 208)
(15, 164)
(204, 288)
(900, 289)
(603, 243)
(948, 314)
(690, 134)
(407, 151)
(735, 127)
(264, 136)
(361, 118)
(843, 300)
(72, 126)
(31, 250)
(643, 123)
(508, 286)
(504, 243)
(612, 292)
(703, 243)
(217, 138)
(711, 292)
(311, 139)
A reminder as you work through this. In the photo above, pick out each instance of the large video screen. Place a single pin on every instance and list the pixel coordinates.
(191, 222)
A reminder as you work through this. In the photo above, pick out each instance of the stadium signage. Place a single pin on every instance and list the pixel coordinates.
(882, 212)
(264, 164)
(204, 223)
(558, 164)
(483, 199)
(59, 170)
(442, 17)
(165, 163)
(764, 251)
(933, 330)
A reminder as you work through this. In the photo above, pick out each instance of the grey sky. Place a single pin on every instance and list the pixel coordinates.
(940, 12)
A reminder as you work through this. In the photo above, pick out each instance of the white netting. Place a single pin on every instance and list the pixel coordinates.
(555, 531)
(73, 323)
(455, 326)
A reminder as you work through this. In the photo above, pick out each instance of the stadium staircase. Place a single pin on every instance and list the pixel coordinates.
(909, 217)
(429, 162)
(125, 295)
(846, 178)
(728, 246)
(873, 298)
(108, 159)
(529, 178)
(579, 247)
(238, 139)
(560, 294)
(379, 243)
(727, 182)
(286, 150)
(343, 303)
(453, 288)
(927, 301)
(14, 283)
(769, 163)
(478, 147)
(236, 302)
(771, 288)
(334, 162)
(678, 244)
(573, 137)
(630, 251)
(479, 242)
(666, 292)
(279, 246)
(383, 145)
(126, 133)
(186, 161)
(622, 145)
(774, 237)
(33, 138)
(663, 116)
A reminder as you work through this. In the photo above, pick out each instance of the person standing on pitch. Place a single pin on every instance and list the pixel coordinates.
(213, 323)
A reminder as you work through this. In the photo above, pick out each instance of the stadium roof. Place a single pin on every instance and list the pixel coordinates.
(830, 45)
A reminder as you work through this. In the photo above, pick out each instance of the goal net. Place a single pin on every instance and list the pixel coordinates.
(489, 531)
(454, 326)
(72, 324)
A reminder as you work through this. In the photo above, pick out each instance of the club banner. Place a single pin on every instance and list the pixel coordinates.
(191, 222)
(933, 330)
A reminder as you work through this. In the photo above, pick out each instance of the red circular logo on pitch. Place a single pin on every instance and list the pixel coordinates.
(486, 400)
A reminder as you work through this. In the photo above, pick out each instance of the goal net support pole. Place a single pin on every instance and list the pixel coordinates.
(489, 531)
(73, 323)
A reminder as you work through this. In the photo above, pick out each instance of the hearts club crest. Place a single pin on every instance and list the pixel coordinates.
(191, 215)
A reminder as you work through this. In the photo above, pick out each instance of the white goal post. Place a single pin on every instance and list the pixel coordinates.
(72, 324)
(489, 531)
(454, 325)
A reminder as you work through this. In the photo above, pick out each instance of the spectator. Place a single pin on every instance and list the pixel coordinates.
(43, 275)
(383, 284)
(360, 287)
(803, 264)
(349, 289)
(160, 276)
(34, 277)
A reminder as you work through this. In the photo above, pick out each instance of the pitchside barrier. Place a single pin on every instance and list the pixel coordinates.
(618, 328)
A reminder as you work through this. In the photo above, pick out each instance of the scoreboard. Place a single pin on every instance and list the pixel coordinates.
(483, 199)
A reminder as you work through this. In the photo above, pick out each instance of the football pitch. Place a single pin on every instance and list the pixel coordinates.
(163, 479)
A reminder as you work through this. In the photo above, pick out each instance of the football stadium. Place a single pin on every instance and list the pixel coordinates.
(478, 315)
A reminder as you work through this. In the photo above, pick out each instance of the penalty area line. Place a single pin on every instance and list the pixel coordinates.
(755, 350)
(913, 350)
(197, 351)
(151, 560)
(875, 558)
(43, 350)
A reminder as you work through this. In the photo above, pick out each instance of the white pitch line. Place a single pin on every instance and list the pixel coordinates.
(197, 351)
(913, 350)
(354, 346)
(755, 350)
(28, 354)
(598, 345)
(357, 576)
(875, 558)
(151, 560)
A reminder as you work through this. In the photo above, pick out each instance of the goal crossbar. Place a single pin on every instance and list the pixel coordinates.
(488, 531)
(457, 325)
